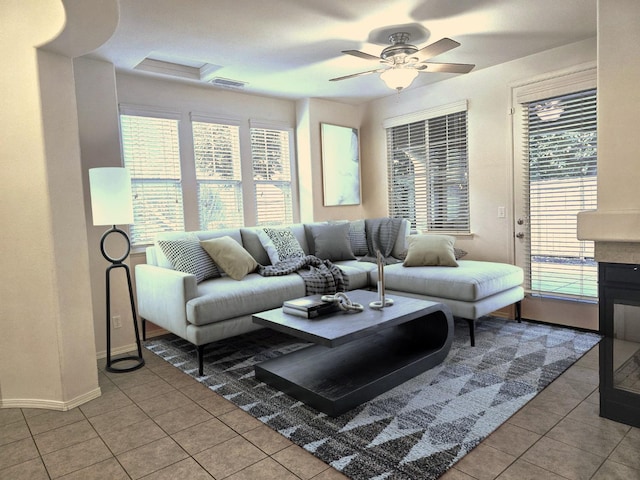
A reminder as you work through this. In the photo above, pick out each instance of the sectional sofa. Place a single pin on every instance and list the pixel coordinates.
(183, 290)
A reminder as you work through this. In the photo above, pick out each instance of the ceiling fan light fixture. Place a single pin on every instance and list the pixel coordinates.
(398, 78)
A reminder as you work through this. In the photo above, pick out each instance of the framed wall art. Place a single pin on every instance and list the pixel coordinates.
(340, 165)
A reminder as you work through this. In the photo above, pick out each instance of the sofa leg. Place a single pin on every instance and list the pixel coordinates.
(144, 329)
(519, 311)
(472, 331)
(200, 353)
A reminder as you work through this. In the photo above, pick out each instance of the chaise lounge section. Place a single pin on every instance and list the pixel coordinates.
(204, 310)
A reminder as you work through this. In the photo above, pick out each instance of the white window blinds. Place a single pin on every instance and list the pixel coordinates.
(151, 152)
(428, 171)
(218, 175)
(271, 160)
(561, 180)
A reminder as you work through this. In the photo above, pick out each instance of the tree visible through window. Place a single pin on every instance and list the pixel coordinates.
(217, 157)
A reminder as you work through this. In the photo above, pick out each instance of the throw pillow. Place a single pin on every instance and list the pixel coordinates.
(459, 253)
(230, 256)
(430, 250)
(189, 257)
(358, 238)
(280, 244)
(331, 241)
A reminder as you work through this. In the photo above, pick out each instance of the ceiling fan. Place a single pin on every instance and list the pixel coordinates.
(402, 61)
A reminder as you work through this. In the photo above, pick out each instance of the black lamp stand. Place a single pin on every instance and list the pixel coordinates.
(118, 263)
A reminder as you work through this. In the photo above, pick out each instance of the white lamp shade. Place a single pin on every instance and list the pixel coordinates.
(398, 78)
(111, 202)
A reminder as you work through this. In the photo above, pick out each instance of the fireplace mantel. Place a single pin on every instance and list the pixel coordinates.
(616, 233)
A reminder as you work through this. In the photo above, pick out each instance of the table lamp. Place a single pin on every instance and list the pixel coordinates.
(111, 204)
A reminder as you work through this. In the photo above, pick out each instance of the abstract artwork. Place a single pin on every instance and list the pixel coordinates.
(340, 165)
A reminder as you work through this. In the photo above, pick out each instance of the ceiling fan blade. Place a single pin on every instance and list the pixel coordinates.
(353, 75)
(358, 53)
(445, 67)
(436, 48)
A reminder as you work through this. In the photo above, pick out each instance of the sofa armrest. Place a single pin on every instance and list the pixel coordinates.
(162, 296)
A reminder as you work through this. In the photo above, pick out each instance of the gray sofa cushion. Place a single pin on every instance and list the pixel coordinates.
(224, 298)
(331, 241)
(357, 273)
(471, 281)
(358, 238)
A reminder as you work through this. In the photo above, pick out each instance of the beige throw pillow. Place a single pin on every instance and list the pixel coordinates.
(433, 250)
(230, 256)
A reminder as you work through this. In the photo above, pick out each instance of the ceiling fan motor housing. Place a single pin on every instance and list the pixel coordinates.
(399, 49)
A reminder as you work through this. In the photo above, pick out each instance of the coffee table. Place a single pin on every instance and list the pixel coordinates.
(357, 356)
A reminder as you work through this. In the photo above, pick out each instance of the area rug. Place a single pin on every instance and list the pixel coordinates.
(416, 430)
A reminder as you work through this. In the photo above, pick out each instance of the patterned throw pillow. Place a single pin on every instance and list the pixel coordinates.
(189, 257)
(280, 244)
(358, 238)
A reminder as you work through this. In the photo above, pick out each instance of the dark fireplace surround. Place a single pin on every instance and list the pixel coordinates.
(619, 314)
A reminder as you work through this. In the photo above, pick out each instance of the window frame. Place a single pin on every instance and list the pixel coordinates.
(292, 215)
(566, 81)
(188, 183)
(422, 214)
(145, 235)
(237, 183)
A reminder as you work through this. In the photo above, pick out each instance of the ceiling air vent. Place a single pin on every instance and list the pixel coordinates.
(227, 83)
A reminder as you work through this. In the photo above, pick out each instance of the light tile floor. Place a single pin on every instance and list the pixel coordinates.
(158, 423)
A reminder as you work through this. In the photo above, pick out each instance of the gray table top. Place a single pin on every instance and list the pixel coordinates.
(339, 328)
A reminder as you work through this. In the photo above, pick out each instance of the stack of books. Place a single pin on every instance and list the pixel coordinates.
(309, 307)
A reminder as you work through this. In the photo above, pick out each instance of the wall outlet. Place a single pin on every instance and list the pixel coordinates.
(117, 321)
(501, 212)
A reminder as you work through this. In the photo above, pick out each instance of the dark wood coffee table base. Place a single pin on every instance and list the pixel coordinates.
(335, 380)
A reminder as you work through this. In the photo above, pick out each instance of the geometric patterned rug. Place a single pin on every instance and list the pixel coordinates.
(418, 429)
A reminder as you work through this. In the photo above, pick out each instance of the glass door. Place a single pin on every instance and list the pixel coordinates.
(555, 177)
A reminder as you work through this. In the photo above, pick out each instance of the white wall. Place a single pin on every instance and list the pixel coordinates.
(100, 147)
(616, 223)
(489, 122)
(311, 113)
(47, 354)
(618, 71)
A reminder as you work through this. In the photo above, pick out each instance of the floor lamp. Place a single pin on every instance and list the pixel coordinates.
(111, 204)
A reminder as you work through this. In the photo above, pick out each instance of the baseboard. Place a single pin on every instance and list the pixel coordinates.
(117, 351)
(50, 404)
(156, 332)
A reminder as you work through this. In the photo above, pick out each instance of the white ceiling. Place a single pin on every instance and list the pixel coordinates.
(291, 48)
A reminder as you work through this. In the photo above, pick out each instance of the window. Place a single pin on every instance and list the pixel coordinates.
(428, 169)
(151, 153)
(189, 175)
(561, 165)
(218, 176)
(271, 160)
